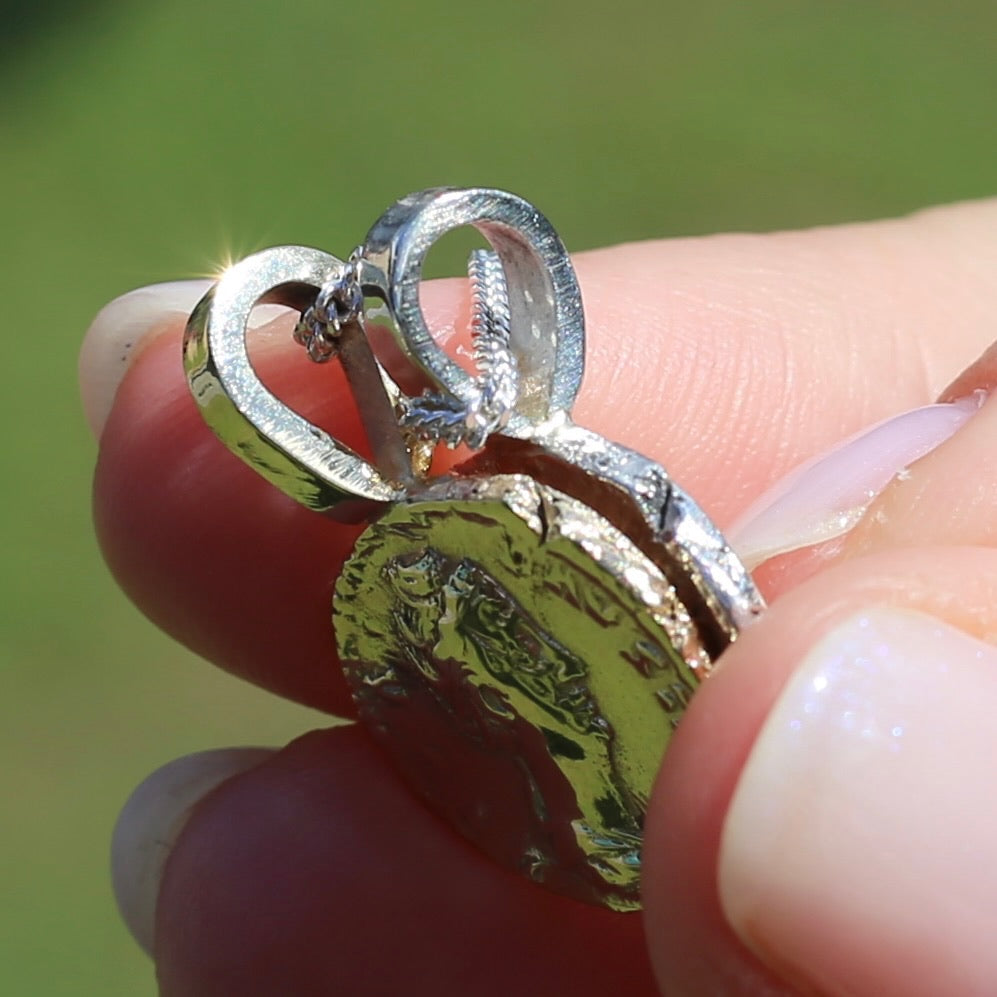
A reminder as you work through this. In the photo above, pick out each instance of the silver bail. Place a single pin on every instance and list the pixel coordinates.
(298, 457)
(546, 330)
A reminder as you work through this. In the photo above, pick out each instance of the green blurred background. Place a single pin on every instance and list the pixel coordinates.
(148, 141)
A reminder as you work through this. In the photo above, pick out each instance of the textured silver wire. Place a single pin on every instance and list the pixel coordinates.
(490, 330)
(441, 417)
(338, 302)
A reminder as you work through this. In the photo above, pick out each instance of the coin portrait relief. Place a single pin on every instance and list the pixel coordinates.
(481, 690)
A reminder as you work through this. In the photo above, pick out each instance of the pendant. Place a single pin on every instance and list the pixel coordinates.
(523, 634)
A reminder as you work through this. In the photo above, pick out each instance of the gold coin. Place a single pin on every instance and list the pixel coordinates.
(524, 665)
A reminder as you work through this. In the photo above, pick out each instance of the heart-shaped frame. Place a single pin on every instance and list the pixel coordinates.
(301, 459)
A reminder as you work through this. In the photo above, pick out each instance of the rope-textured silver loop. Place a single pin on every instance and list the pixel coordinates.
(485, 408)
(338, 302)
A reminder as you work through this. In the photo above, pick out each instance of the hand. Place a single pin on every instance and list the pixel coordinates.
(825, 817)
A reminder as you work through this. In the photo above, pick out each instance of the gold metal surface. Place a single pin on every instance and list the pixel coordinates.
(525, 666)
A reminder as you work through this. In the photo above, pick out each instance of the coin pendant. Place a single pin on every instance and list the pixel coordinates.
(525, 665)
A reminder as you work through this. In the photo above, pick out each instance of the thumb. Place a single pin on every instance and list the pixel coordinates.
(825, 818)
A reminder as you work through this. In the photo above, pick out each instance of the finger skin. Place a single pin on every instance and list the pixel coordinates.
(693, 949)
(301, 875)
(729, 359)
(212, 552)
(979, 376)
(237, 571)
(318, 873)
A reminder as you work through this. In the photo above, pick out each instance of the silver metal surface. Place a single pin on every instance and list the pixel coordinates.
(546, 326)
(673, 517)
(441, 417)
(338, 303)
(299, 458)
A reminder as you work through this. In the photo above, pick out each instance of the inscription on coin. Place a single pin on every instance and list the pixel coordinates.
(524, 665)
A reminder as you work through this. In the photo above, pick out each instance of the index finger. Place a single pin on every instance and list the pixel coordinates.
(728, 359)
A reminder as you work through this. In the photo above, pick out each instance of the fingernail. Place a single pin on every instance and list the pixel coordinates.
(151, 821)
(116, 335)
(857, 852)
(826, 496)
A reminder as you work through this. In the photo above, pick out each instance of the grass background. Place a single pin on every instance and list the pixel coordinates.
(148, 140)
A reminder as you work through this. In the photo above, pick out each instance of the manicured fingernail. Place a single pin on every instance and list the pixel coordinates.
(152, 820)
(857, 856)
(826, 496)
(116, 335)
